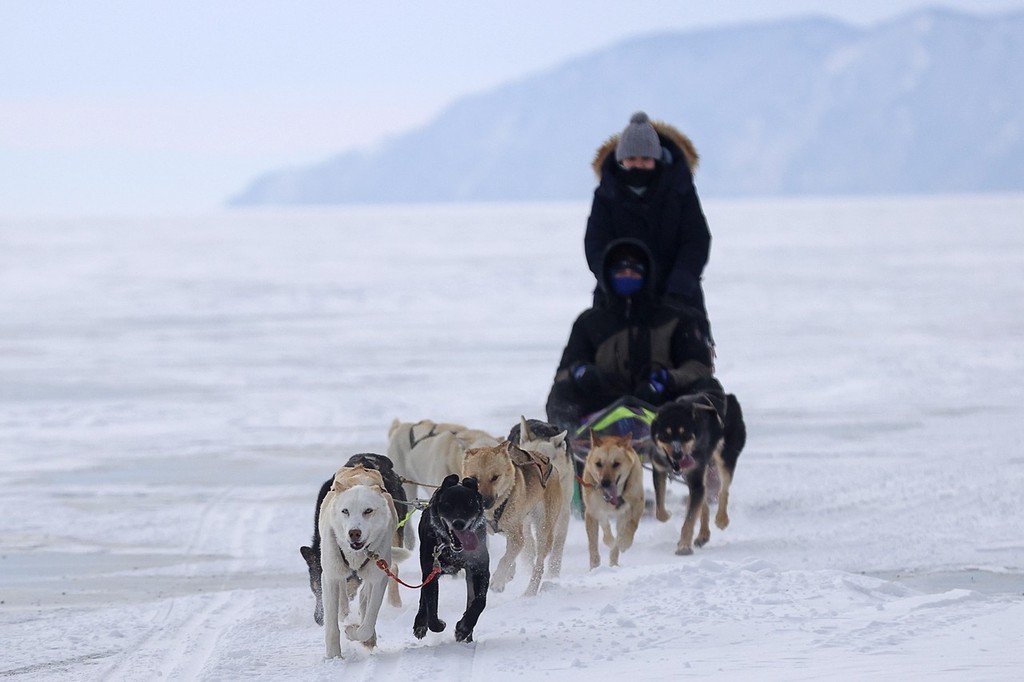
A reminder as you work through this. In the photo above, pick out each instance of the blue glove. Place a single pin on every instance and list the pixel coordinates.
(659, 381)
(652, 391)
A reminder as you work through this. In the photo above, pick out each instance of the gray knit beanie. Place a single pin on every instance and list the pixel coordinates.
(638, 139)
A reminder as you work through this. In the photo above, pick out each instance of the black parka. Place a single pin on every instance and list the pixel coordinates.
(626, 339)
(667, 217)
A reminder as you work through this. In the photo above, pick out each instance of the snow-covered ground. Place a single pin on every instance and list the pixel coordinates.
(174, 391)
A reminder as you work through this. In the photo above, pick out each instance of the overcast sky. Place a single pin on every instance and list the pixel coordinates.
(172, 105)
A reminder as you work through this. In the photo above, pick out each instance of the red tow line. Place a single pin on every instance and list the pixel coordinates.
(383, 565)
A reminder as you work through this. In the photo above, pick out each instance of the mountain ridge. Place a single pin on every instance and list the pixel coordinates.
(929, 102)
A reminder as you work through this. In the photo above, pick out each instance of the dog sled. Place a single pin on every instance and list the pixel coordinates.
(625, 416)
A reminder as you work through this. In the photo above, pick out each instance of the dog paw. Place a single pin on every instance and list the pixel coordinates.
(662, 515)
(357, 633)
(462, 633)
(437, 625)
(702, 540)
(722, 521)
(684, 551)
(419, 631)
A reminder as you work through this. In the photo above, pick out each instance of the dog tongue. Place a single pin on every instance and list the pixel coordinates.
(686, 462)
(468, 539)
(611, 496)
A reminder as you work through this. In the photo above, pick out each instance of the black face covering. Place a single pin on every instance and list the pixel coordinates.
(638, 177)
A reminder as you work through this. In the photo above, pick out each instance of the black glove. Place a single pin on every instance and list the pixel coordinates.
(586, 376)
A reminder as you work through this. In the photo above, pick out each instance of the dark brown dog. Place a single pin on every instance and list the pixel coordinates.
(698, 437)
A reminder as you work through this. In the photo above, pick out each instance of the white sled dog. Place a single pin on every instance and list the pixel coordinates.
(426, 452)
(356, 527)
(539, 436)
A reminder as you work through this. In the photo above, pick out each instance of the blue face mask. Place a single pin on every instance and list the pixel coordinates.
(626, 286)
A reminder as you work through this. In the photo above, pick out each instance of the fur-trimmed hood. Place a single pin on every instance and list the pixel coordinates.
(670, 137)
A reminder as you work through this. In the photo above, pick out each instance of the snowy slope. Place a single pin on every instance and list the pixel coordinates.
(172, 393)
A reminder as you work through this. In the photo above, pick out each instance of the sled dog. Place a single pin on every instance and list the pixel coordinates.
(453, 532)
(539, 436)
(392, 484)
(699, 437)
(356, 527)
(356, 470)
(424, 452)
(522, 492)
(612, 490)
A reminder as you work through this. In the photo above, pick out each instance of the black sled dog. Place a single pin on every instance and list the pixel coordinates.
(453, 538)
(700, 437)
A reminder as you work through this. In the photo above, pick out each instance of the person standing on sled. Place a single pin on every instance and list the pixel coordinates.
(629, 345)
(646, 192)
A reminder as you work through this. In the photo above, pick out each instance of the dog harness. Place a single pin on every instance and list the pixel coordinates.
(413, 441)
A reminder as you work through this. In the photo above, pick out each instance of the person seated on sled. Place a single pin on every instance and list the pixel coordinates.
(646, 191)
(630, 345)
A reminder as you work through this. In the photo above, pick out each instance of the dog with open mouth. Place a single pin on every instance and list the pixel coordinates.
(612, 489)
(699, 437)
(453, 538)
(355, 470)
(356, 525)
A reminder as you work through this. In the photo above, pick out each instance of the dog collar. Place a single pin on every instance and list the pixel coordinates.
(499, 512)
(355, 571)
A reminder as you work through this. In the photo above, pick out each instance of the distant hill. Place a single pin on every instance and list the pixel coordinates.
(932, 102)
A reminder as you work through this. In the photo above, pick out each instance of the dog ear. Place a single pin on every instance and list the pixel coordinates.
(449, 481)
(524, 430)
(308, 554)
(471, 483)
(560, 438)
(392, 510)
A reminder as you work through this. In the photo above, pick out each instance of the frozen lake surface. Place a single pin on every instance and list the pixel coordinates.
(173, 391)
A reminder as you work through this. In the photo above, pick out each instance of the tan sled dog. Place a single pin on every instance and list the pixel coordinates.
(518, 488)
(534, 435)
(612, 489)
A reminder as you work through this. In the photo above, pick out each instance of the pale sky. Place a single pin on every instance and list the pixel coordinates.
(122, 106)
